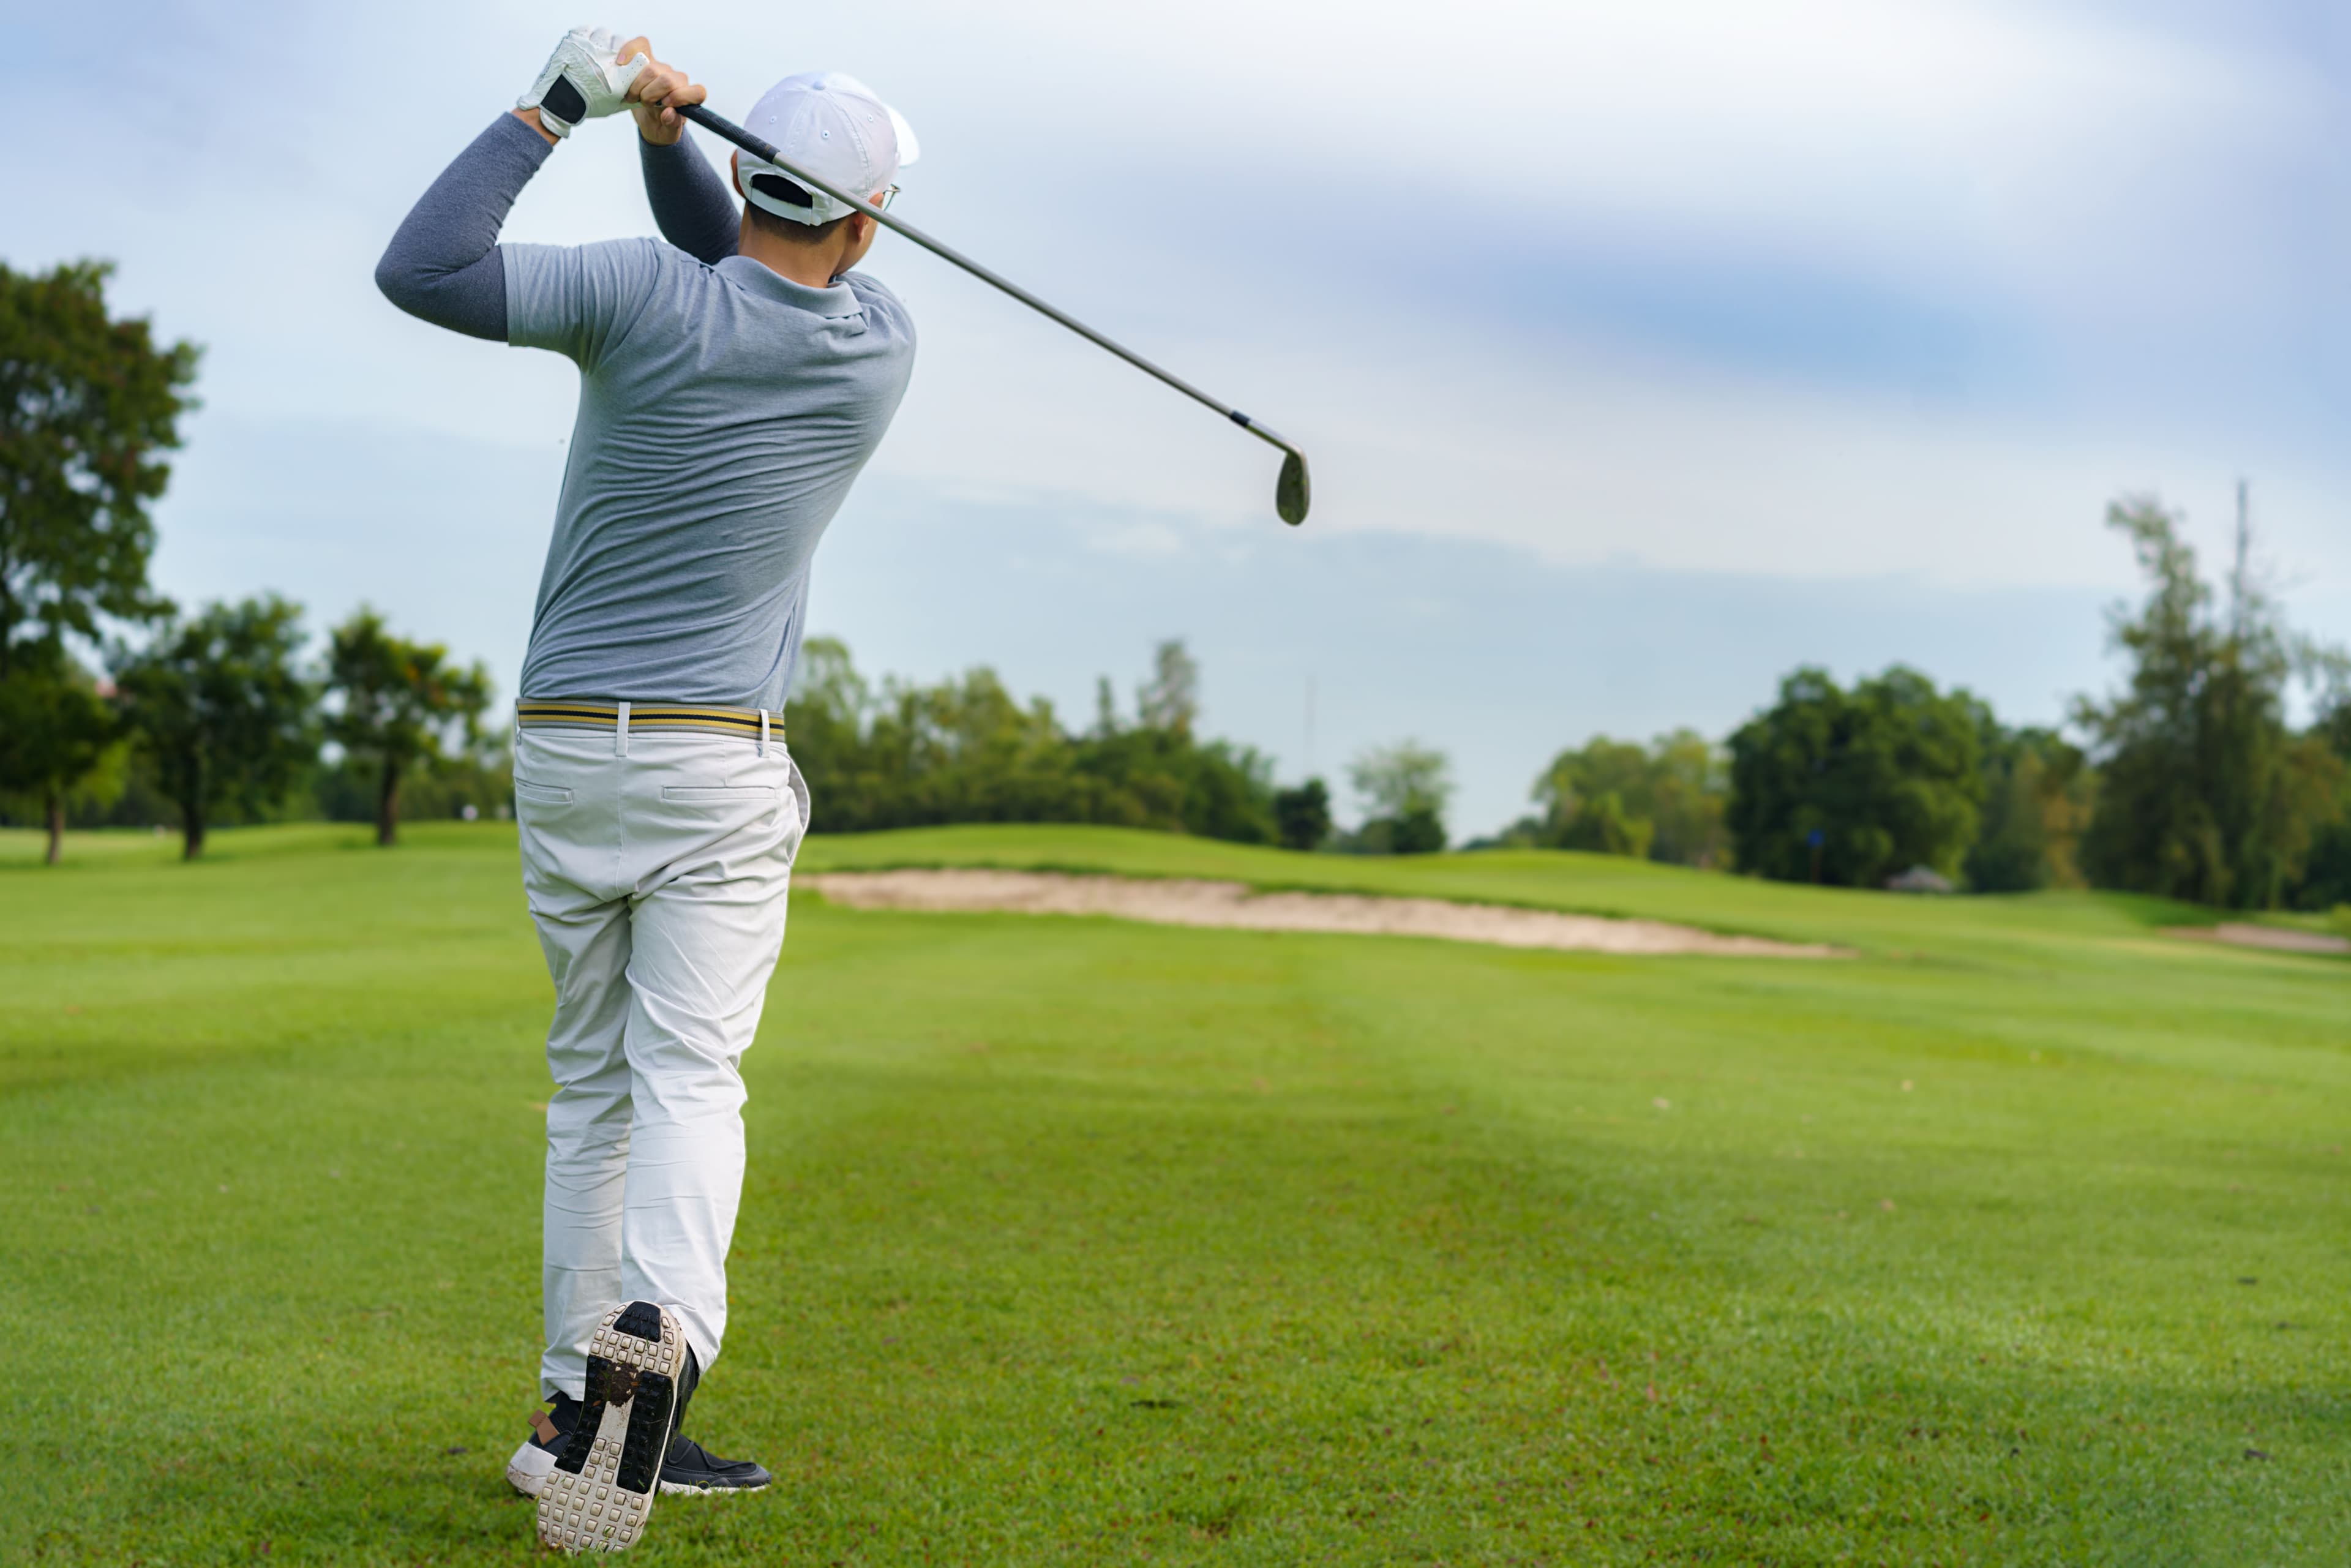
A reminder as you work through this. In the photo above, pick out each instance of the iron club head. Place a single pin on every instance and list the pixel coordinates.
(1290, 492)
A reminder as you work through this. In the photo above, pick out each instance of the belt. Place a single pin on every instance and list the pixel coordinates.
(750, 722)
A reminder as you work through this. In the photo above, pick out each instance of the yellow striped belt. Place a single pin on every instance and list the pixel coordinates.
(748, 722)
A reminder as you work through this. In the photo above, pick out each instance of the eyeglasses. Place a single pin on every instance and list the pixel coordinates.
(887, 197)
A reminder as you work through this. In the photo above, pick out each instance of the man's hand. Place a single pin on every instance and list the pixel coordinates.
(587, 78)
(658, 93)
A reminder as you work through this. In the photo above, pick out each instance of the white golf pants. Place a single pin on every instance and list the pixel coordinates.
(657, 866)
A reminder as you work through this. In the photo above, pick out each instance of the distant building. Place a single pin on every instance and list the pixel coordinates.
(1919, 879)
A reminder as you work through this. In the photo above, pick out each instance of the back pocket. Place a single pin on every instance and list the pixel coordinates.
(685, 797)
(545, 794)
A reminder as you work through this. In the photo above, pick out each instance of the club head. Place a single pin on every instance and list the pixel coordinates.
(1291, 493)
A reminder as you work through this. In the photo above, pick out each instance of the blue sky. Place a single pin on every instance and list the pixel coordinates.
(1818, 331)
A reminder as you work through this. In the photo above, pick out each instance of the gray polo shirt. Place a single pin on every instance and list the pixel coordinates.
(724, 413)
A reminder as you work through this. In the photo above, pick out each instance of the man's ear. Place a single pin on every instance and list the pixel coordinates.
(735, 173)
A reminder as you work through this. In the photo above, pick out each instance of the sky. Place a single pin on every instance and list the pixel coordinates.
(1643, 352)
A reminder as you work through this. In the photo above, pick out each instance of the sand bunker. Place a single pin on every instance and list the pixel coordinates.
(1229, 904)
(2237, 934)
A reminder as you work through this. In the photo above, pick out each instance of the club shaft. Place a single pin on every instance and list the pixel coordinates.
(719, 125)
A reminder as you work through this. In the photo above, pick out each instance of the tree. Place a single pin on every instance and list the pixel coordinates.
(2037, 790)
(965, 751)
(400, 703)
(2205, 792)
(2324, 880)
(1853, 786)
(87, 403)
(473, 783)
(1688, 785)
(1573, 787)
(1170, 700)
(1667, 799)
(1211, 787)
(1602, 826)
(220, 711)
(1408, 786)
(1303, 815)
(59, 742)
(1419, 832)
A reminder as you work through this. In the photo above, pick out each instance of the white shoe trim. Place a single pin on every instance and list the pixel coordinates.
(679, 1488)
(527, 1471)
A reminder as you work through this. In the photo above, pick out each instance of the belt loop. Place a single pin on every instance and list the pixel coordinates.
(763, 732)
(620, 735)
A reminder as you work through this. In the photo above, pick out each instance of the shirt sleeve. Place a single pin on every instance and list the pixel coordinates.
(689, 200)
(578, 300)
(442, 265)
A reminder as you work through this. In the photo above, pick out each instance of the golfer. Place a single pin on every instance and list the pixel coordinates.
(733, 382)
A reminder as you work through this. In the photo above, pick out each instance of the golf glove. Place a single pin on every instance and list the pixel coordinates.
(582, 80)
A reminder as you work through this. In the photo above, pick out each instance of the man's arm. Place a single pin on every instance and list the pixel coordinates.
(689, 201)
(443, 264)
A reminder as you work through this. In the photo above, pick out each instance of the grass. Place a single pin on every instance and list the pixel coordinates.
(2017, 1239)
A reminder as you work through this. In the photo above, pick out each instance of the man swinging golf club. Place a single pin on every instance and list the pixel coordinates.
(733, 382)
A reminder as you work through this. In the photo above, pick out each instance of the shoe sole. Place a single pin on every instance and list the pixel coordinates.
(601, 1493)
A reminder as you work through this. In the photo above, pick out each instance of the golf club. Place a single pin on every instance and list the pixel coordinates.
(1289, 491)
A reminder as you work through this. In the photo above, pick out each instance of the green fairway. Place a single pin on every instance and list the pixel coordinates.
(2018, 1237)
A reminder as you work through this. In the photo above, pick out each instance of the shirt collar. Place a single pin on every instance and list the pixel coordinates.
(834, 303)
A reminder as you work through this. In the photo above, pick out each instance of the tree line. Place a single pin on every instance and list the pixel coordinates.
(220, 716)
(964, 750)
(2191, 781)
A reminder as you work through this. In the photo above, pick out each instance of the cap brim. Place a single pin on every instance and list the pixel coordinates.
(909, 149)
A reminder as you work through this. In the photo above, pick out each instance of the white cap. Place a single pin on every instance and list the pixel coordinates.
(831, 125)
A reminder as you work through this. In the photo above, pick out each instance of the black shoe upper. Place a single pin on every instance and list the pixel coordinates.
(689, 1464)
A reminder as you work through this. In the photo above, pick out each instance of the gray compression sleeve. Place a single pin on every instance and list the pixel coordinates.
(689, 200)
(443, 263)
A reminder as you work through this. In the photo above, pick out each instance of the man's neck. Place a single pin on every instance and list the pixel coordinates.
(811, 265)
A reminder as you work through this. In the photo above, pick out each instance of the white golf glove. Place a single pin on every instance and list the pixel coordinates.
(582, 80)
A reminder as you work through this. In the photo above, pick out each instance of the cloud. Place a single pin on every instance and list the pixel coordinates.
(1822, 289)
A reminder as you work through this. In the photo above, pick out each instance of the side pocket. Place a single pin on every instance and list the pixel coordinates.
(802, 804)
(545, 794)
(801, 792)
